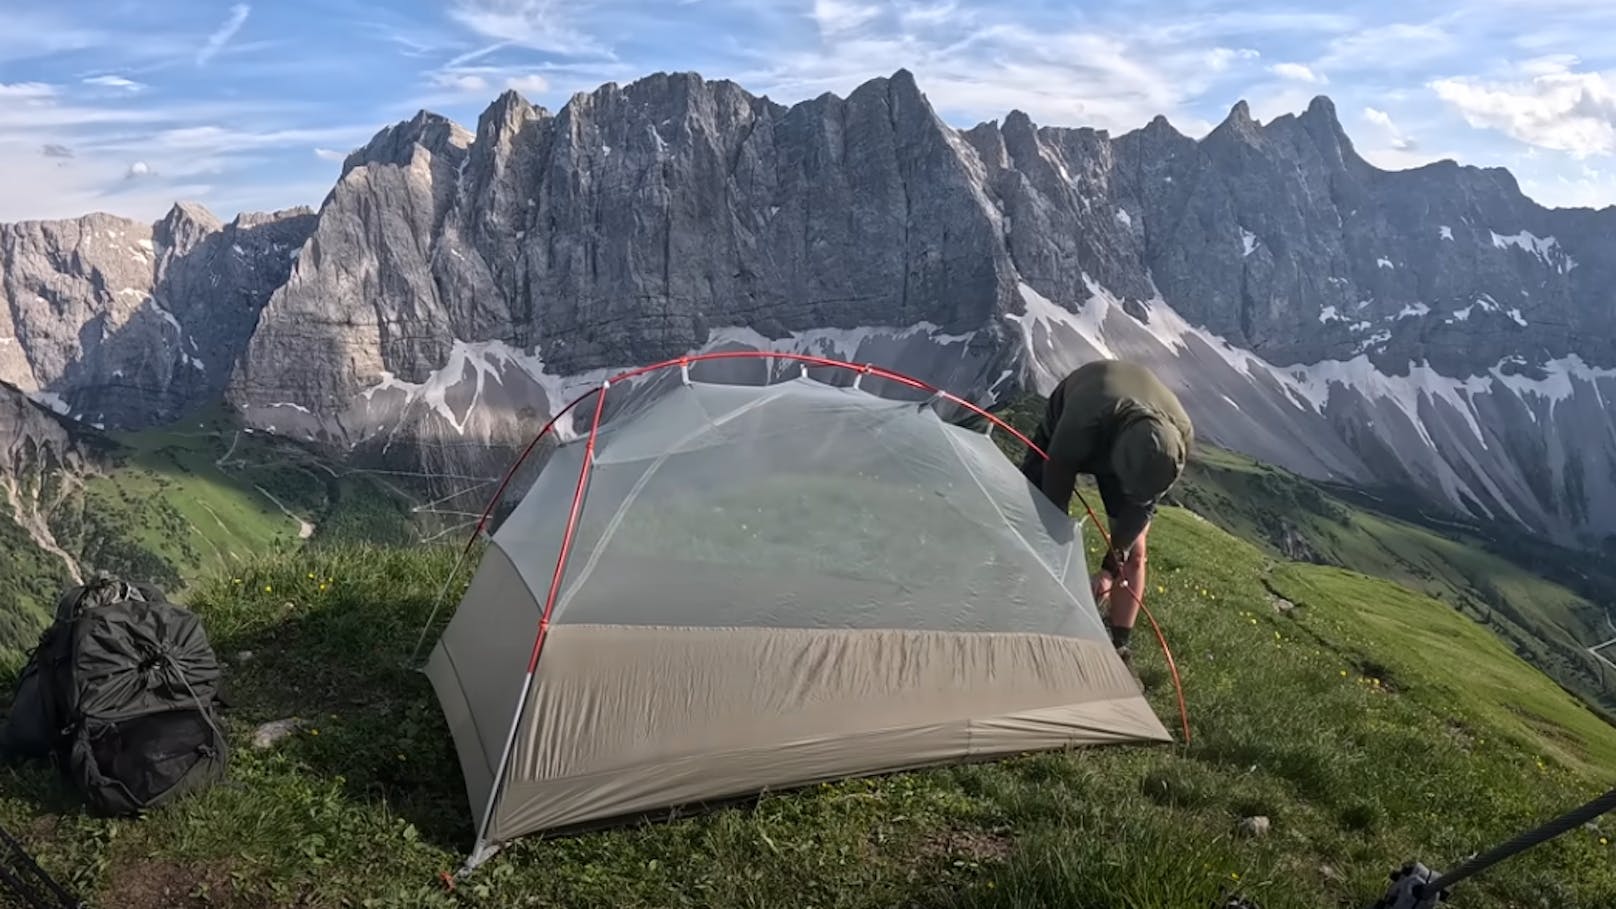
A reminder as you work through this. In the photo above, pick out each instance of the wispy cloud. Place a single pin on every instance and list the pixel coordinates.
(112, 81)
(226, 140)
(26, 91)
(1555, 108)
(1399, 46)
(530, 84)
(55, 150)
(545, 25)
(838, 17)
(222, 35)
(329, 154)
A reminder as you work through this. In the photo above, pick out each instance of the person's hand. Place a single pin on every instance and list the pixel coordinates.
(1110, 565)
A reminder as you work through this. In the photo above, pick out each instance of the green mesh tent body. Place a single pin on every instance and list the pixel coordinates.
(754, 587)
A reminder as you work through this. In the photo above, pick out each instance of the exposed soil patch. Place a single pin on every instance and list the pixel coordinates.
(163, 884)
(978, 846)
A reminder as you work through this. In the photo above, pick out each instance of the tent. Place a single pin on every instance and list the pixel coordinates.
(749, 587)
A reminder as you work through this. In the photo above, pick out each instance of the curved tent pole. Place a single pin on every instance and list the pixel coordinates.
(544, 621)
(684, 362)
(482, 850)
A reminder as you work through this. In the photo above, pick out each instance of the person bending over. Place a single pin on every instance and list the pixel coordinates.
(1116, 421)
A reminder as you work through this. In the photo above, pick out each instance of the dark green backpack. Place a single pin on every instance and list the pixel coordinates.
(121, 695)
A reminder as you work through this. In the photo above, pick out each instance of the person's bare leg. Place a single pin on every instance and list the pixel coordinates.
(1102, 587)
(1125, 602)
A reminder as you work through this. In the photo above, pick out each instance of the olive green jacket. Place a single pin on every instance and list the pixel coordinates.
(1083, 431)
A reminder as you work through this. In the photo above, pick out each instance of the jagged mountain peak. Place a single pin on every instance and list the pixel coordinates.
(396, 144)
(1322, 108)
(1239, 120)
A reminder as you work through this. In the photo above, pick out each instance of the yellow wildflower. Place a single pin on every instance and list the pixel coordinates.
(268, 589)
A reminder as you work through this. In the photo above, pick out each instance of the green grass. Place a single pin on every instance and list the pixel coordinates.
(1488, 574)
(33, 578)
(1459, 745)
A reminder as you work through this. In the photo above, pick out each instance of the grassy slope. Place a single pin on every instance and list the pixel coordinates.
(33, 578)
(165, 510)
(1486, 578)
(1458, 744)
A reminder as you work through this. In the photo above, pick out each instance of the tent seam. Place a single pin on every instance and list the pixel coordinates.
(1077, 541)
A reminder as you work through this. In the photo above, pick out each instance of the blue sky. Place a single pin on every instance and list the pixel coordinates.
(126, 106)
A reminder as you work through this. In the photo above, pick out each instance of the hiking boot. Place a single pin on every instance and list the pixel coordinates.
(1125, 653)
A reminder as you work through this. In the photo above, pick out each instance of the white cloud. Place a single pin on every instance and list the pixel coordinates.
(138, 169)
(1388, 130)
(1297, 72)
(530, 84)
(1221, 58)
(222, 35)
(328, 154)
(1556, 108)
(465, 83)
(112, 81)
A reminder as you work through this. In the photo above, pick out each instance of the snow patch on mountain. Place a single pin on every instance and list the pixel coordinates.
(1413, 310)
(1559, 380)
(50, 400)
(1546, 249)
(1330, 314)
(1384, 262)
(1249, 240)
(1447, 232)
(1086, 323)
(1360, 374)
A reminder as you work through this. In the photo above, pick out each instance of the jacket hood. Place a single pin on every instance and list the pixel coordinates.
(1148, 458)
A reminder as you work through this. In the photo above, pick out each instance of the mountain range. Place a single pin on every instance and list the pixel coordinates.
(1431, 331)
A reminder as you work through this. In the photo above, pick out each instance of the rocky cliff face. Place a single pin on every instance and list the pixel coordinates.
(41, 463)
(1430, 328)
(126, 324)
